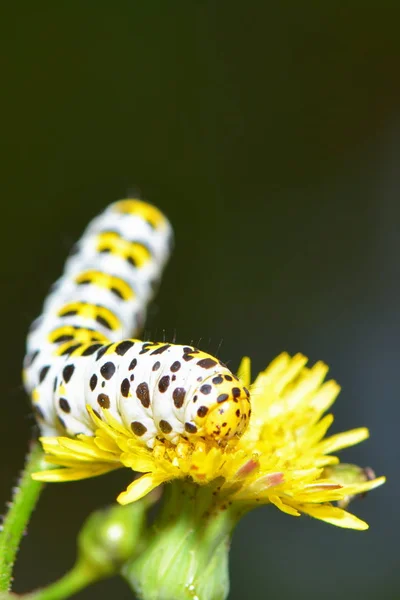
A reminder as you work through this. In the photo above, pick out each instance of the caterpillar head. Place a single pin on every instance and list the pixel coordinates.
(224, 413)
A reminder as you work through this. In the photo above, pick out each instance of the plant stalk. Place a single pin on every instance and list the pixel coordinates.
(24, 500)
(78, 578)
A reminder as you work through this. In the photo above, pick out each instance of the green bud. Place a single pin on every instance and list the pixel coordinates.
(110, 536)
(347, 474)
(188, 552)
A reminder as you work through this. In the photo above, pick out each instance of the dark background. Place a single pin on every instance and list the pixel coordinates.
(269, 132)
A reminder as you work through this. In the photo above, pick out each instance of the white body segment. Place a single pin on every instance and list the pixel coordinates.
(140, 230)
(78, 353)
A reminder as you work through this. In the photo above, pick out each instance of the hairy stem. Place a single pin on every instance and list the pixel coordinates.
(16, 519)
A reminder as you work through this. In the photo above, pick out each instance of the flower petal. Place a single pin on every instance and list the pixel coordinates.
(140, 487)
(343, 440)
(325, 396)
(289, 510)
(305, 386)
(141, 462)
(77, 447)
(296, 363)
(333, 515)
(244, 372)
(365, 486)
(74, 474)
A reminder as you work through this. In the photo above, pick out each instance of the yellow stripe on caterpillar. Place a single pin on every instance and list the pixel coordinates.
(102, 315)
(134, 252)
(116, 285)
(150, 213)
(68, 333)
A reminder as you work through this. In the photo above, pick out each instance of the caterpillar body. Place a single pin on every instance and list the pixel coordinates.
(79, 352)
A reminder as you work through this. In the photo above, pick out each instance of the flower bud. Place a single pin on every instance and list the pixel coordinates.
(110, 536)
(347, 474)
(187, 555)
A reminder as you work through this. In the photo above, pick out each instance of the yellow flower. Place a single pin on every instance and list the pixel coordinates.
(281, 459)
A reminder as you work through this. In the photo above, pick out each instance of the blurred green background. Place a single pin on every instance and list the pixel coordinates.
(269, 132)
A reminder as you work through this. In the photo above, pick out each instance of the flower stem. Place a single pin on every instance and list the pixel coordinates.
(72, 582)
(20, 509)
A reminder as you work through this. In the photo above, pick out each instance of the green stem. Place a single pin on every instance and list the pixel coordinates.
(16, 520)
(77, 579)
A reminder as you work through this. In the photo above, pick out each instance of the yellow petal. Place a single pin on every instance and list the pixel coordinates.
(325, 396)
(276, 367)
(114, 423)
(289, 510)
(64, 453)
(343, 440)
(140, 487)
(324, 461)
(361, 488)
(138, 461)
(295, 366)
(317, 432)
(305, 386)
(106, 443)
(244, 372)
(102, 426)
(333, 515)
(81, 449)
(71, 474)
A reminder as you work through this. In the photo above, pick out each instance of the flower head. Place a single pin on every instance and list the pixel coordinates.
(282, 458)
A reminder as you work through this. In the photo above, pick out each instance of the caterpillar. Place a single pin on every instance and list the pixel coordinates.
(80, 353)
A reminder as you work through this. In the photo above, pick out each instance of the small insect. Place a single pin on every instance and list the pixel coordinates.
(79, 352)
